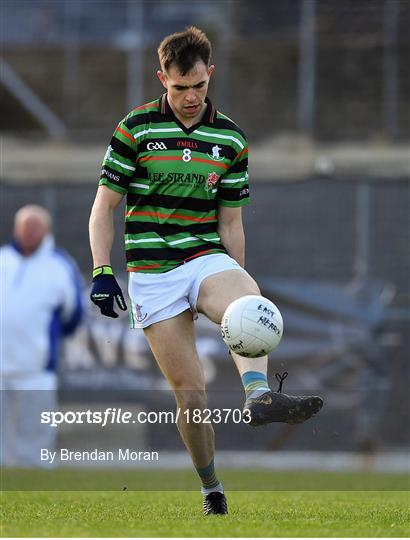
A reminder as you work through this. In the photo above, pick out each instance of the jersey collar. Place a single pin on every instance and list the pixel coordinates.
(208, 117)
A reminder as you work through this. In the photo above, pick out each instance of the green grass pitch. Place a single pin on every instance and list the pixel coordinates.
(372, 505)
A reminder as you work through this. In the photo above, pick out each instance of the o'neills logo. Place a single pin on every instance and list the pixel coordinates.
(188, 144)
(212, 180)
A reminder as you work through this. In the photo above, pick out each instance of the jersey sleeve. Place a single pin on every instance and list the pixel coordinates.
(233, 187)
(118, 165)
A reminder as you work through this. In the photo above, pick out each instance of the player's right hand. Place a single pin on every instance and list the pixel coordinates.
(104, 289)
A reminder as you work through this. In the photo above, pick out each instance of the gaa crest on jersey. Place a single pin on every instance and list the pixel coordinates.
(212, 180)
(157, 146)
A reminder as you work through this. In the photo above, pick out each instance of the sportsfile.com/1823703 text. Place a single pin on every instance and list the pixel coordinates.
(112, 415)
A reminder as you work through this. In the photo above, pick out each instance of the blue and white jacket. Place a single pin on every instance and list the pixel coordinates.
(40, 302)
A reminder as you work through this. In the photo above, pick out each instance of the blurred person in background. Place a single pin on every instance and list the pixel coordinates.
(184, 168)
(40, 303)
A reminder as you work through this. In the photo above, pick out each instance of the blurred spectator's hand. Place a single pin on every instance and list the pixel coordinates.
(104, 289)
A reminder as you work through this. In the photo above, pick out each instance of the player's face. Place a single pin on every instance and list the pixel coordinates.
(187, 93)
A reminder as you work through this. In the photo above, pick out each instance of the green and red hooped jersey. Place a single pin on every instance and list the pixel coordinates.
(175, 178)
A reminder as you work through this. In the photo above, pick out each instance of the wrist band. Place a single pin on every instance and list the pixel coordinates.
(102, 270)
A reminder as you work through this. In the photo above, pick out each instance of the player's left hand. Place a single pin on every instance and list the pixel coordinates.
(104, 289)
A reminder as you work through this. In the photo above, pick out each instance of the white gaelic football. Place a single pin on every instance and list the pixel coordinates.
(252, 326)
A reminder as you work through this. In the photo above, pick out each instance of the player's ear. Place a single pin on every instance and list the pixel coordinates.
(211, 69)
(162, 77)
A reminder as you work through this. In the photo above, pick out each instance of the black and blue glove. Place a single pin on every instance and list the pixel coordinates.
(104, 289)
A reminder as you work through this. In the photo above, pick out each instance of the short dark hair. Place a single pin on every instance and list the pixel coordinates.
(184, 49)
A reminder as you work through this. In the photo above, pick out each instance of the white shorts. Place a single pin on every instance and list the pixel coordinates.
(157, 297)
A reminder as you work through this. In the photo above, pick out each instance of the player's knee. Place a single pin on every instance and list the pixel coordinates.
(181, 382)
(244, 285)
(191, 399)
(251, 287)
(248, 288)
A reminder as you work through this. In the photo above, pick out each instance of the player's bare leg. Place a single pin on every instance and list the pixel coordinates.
(173, 344)
(215, 295)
